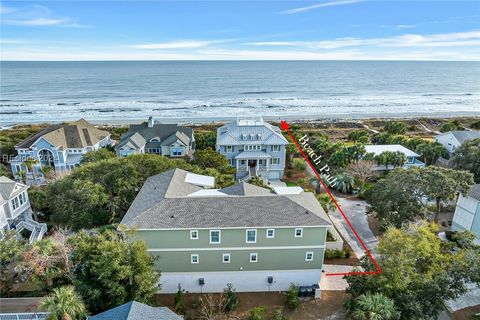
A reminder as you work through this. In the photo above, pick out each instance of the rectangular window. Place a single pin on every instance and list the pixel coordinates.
(251, 235)
(253, 257)
(309, 256)
(230, 161)
(15, 203)
(252, 147)
(242, 162)
(214, 236)
(193, 234)
(275, 148)
(270, 233)
(226, 258)
(21, 199)
(229, 149)
(275, 160)
(194, 258)
(298, 232)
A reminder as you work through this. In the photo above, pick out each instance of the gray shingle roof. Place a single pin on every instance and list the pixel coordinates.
(161, 131)
(475, 192)
(137, 311)
(245, 189)
(79, 134)
(225, 212)
(464, 135)
(7, 188)
(168, 184)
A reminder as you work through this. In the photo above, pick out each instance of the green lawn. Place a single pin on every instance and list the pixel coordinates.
(291, 184)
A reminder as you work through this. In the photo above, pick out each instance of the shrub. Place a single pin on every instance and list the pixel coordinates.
(278, 315)
(291, 297)
(299, 164)
(257, 313)
(179, 304)
(334, 254)
(232, 300)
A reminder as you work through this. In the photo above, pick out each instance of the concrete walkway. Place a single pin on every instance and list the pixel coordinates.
(336, 283)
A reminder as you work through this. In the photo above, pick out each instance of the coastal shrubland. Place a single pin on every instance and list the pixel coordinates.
(420, 271)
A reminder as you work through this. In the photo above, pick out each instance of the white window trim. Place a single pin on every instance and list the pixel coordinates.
(273, 234)
(246, 236)
(226, 255)
(191, 234)
(306, 256)
(254, 254)
(191, 258)
(275, 160)
(275, 148)
(229, 149)
(219, 237)
(301, 232)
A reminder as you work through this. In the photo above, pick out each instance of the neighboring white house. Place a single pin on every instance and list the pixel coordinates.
(15, 210)
(467, 212)
(168, 140)
(451, 140)
(412, 160)
(254, 147)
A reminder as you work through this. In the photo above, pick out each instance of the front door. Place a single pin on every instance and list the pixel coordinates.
(252, 163)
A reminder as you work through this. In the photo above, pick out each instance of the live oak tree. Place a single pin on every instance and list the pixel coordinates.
(97, 155)
(362, 171)
(111, 268)
(467, 157)
(205, 139)
(396, 199)
(443, 184)
(419, 271)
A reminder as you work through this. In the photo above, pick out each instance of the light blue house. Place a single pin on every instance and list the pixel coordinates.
(467, 212)
(254, 147)
(59, 146)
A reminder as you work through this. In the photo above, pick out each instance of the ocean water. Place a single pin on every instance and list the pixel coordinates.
(128, 91)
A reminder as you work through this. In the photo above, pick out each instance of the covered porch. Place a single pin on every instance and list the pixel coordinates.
(252, 162)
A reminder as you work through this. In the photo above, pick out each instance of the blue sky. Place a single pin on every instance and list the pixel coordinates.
(240, 30)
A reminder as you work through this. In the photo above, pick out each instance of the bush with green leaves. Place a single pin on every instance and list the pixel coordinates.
(291, 297)
(278, 315)
(257, 313)
(299, 164)
(395, 127)
(231, 297)
(179, 302)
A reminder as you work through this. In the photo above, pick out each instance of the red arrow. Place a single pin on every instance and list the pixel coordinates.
(286, 127)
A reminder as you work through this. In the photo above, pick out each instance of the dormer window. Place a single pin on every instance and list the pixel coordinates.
(244, 136)
(252, 136)
(155, 139)
(259, 136)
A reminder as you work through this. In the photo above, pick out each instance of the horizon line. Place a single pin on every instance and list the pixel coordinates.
(245, 60)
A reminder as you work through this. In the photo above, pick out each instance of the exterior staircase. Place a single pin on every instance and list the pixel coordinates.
(37, 229)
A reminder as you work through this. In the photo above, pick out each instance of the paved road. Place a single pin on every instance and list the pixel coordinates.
(356, 211)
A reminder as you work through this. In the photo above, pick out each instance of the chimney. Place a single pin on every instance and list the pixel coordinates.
(150, 122)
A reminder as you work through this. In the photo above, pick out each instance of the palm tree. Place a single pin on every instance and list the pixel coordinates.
(48, 172)
(64, 304)
(344, 182)
(326, 202)
(375, 307)
(398, 159)
(23, 175)
(30, 164)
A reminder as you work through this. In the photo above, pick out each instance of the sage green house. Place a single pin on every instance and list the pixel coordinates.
(244, 235)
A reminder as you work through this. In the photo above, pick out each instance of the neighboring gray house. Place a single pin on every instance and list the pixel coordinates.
(412, 157)
(15, 210)
(243, 234)
(467, 212)
(254, 147)
(451, 140)
(59, 146)
(137, 311)
(165, 139)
